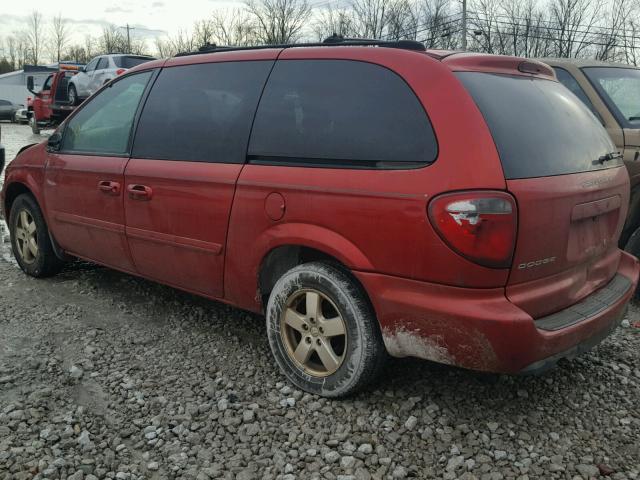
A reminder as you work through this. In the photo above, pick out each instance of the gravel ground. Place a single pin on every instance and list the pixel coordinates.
(103, 375)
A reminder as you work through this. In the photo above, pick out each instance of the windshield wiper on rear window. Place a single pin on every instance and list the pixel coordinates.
(607, 157)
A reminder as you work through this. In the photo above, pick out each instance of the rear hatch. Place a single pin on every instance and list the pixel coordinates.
(571, 189)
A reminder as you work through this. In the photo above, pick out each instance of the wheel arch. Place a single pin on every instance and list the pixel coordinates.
(282, 258)
(13, 191)
(254, 260)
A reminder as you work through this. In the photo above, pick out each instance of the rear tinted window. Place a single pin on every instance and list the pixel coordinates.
(343, 114)
(540, 128)
(130, 62)
(201, 113)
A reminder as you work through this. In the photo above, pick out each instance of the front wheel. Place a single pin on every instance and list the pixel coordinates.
(35, 129)
(323, 332)
(30, 239)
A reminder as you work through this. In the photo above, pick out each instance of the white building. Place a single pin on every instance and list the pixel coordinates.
(13, 85)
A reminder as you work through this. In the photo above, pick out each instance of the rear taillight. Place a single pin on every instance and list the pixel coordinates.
(480, 226)
(120, 70)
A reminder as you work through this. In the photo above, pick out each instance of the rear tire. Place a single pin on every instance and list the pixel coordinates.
(72, 94)
(30, 239)
(323, 332)
(633, 247)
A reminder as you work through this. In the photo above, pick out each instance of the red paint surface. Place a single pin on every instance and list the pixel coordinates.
(205, 228)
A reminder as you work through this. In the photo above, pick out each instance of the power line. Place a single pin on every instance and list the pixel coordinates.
(532, 18)
(570, 28)
(420, 28)
(568, 31)
(555, 39)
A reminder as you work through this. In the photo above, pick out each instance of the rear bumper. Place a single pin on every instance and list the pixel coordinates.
(481, 329)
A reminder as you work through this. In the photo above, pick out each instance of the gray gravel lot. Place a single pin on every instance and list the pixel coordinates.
(103, 375)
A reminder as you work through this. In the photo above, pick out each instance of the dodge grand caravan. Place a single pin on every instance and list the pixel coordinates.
(370, 198)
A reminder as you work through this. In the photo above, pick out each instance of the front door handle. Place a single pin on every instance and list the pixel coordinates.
(139, 192)
(107, 186)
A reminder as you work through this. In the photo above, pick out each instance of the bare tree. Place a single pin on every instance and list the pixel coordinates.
(439, 25)
(203, 32)
(572, 24)
(77, 53)
(111, 40)
(278, 21)
(12, 51)
(484, 22)
(611, 38)
(35, 36)
(334, 20)
(233, 27)
(402, 20)
(371, 17)
(23, 52)
(59, 36)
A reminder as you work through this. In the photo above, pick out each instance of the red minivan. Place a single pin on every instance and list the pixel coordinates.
(368, 197)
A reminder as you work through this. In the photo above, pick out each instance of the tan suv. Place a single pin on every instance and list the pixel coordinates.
(612, 92)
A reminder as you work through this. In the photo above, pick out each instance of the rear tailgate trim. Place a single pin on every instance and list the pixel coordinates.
(587, 308)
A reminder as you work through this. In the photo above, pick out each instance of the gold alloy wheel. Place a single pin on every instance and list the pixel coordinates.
(314, 333)
(26, 237)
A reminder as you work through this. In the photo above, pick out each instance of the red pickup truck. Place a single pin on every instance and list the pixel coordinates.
(50, 105)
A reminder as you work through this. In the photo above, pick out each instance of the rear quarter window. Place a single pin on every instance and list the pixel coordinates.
(130, 62)
(340, 113)
(539, 127)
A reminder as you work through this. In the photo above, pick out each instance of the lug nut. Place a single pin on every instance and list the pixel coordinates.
(305, 326)
(318, 342)
(308, 339)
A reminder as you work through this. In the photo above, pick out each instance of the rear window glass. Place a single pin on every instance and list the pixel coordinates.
(539, 127)
(342, 114)
(130, 62)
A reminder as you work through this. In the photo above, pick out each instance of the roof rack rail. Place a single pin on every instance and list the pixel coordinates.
(333, 40)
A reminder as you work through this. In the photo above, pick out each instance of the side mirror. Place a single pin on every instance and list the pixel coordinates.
(82, 69)
(54, 142)
(30, 83)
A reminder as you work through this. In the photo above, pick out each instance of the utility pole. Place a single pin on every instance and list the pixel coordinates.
(128, 37)
(464, 24)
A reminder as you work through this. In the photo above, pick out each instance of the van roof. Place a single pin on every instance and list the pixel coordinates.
(455, 60)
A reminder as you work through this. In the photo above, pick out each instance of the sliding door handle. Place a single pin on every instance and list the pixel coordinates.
(107, 186)
(139, 192)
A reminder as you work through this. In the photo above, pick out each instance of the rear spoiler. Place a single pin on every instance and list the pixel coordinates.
(473, 62)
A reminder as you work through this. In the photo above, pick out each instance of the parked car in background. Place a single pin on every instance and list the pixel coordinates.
(99, 71)
(365, 195)
(50, 105)
(612, 92)
(8, 110)
(21, 115)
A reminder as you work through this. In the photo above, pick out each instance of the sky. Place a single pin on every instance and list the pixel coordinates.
(150, 18)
